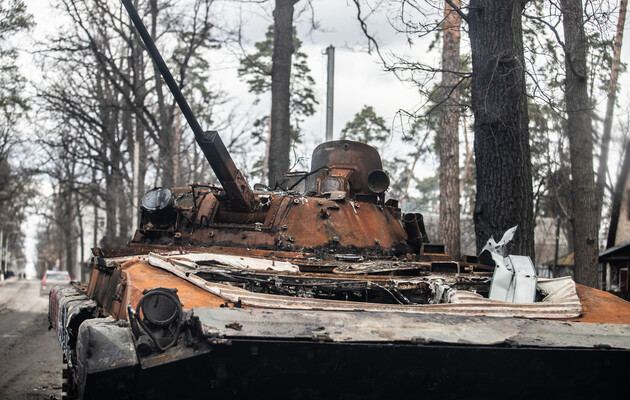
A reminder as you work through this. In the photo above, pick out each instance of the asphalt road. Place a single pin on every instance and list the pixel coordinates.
(30, 356)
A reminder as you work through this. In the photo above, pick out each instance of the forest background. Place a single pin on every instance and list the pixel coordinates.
(70, 137)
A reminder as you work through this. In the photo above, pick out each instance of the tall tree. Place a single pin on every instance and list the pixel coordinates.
(448, 137)
(545, 48)
(610, 107)
(280, 134)
(102, 90)
(257, 68)
(15, 179)
(620, 185)
(498, 99)
(13, 19)
(580, 133)
(502, 149)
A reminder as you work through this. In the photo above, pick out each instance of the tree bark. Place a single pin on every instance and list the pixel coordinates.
(449, 133)
(579, 111)
(502, 150)
(610, 108)
(468, 178)
(165, 114)
(618, 197)
(68, 226)
(140, 92)
(280, 138)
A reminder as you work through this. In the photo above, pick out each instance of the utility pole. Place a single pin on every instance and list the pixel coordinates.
(330, 54)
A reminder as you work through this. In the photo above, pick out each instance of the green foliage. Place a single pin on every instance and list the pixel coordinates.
(366, 127)
(13, 19)
(429, 198)
(261, 126)
(398, 170)
(256, 68)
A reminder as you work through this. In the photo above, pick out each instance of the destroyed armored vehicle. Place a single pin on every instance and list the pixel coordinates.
(322, 290)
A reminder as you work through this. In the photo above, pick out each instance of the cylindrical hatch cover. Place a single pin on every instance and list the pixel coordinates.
(157, 206)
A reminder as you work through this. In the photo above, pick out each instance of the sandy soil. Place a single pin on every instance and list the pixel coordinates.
(30, 356)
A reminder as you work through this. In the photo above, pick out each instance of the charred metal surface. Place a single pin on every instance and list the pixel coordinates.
(103, 346)
(158, 321)
(68, 307)
(342, 226)
(345, 166)
(284, 369)
(237, 190)
(106, 287)
(342, 205)
(373, 288)
(441, 329)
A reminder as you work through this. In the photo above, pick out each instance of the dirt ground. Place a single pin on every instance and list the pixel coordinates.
(30, 356)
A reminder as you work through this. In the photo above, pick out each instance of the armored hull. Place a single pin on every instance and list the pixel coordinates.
(324, 296)
(237, 329)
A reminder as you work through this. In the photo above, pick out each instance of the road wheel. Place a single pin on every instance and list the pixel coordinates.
(68, 386)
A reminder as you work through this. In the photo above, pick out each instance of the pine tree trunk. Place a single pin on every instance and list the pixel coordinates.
(502, 151)
(110, 212)
(165, 114)
(585, 218)
(176, 147)
(618, 197)
(467, 180)
(68, 223)
(610, 108)
(280, 139)
(140, 93)
(449, 133)
(110, 124)
(124, 220)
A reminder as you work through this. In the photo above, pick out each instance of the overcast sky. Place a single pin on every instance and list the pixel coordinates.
(359, 77)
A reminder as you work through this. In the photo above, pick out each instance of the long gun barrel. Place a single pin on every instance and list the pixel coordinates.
(236, 187)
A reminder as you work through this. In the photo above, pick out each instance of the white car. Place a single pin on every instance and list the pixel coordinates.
(52, 278)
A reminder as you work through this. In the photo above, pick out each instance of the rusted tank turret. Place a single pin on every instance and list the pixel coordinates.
(322, 289)
(343, 191)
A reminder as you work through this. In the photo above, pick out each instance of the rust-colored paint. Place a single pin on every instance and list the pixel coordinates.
(114, 291)
(92, 283)
(130, 262)
(602, 307)
(288, 223)
(139, 275)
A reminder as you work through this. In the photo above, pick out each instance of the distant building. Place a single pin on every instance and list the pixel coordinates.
(556, 269)
(616, 261)
(545, 244)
